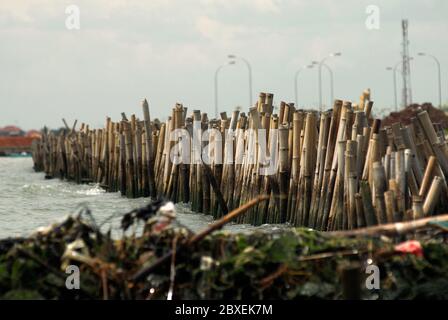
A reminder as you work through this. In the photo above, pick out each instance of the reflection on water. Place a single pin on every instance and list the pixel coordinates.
(28, 201)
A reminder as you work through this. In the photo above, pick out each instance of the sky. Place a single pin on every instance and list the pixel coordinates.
(168, 51)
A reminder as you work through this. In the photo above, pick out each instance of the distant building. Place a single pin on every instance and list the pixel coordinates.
(11, 131)
(33, 134)
(14, 140)
(14, 145)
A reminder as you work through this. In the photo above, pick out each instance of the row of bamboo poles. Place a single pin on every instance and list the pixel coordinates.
(333, 170)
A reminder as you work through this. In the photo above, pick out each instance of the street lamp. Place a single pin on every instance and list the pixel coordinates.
(439, 76)
(295, 81)
(330, 71)
(394, 71)
(335, 54)
(394, 74)
(249, 69)
(395, 85)
(331, 82)
(216, 84)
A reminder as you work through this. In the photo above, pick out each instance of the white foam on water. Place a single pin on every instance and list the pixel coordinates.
(94, 191)
(29, 201)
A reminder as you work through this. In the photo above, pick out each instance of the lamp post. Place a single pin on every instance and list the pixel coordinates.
(216, 85)
(331, 82)
(394, 71)
(439, 74)
(249, 70)
(336, 54)
(330, 71)
(394, 74)
(296, 75)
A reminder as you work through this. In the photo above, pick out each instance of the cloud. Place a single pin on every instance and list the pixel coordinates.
(261, 6)
(26, 11)
(267, 6)
(169, 49)
(212, 29)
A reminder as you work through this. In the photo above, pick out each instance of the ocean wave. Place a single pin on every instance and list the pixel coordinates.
(35, 188)
(94, 191)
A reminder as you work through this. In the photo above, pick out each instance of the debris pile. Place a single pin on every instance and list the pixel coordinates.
(405, 115)
(288, 264)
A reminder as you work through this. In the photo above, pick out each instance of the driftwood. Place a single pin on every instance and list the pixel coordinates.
(391, 228)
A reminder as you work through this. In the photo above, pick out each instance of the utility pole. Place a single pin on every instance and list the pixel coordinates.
(406, 69)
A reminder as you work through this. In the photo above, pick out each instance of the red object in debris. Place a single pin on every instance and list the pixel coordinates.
(412, 246)
(160, 226)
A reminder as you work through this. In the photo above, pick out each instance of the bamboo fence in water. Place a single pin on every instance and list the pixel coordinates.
(331, 170)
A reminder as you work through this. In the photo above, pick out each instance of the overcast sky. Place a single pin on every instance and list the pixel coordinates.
(168, 51)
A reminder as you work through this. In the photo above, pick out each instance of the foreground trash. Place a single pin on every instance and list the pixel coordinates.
(404, 261)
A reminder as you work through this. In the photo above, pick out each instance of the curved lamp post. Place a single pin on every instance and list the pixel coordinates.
(320, 63)
(439, 75)
(216, 85)
(249, 70)
(330, 71)
(296, 75)
(394, 75)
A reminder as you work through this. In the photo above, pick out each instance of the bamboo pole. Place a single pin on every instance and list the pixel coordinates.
(327, 170)
(149, 149)
(427, 176)
(432, 197)
(283, 171)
